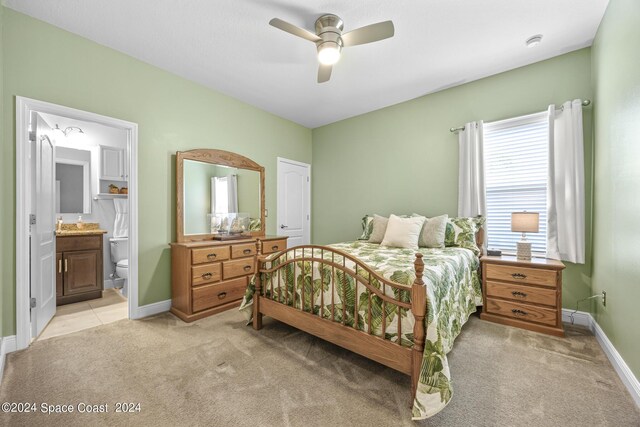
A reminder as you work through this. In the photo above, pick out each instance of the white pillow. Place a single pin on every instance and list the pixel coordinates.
(403, 232)
(433, 231)
(378, 229)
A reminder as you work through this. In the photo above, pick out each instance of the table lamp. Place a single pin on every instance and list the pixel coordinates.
(524, 222)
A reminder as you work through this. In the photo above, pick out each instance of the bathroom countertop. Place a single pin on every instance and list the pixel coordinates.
(82, 232)
(88, 228)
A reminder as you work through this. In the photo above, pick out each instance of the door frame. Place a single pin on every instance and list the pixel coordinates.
(24, 108)
(281, 160)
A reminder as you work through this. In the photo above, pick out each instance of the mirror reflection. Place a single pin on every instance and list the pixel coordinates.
(73, 182)
(220, 197)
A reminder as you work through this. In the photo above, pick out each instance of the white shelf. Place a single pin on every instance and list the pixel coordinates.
(103, 196)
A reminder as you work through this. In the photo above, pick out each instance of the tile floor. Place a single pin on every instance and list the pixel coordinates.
(87, 314)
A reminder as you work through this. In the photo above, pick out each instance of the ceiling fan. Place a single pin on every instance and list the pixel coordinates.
(330, 40)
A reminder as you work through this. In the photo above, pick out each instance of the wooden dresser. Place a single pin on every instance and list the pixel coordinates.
(79, 273)
(211, 276)
(525, 294)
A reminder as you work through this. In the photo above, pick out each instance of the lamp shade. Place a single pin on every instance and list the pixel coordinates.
(525, 222)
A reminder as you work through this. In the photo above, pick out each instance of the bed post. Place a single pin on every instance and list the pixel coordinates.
(419, 310)
(257, 316)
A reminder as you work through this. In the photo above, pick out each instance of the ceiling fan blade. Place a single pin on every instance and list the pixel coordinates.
(292, 29)
(368, 34)
(324, 73)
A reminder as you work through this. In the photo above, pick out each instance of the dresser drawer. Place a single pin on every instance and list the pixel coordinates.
(534, 276)
(522, 293)
(523, 312)
(244, 250)
(214, 253)
(271, 246)
(209, 296)
(207, 273)
(241, 267)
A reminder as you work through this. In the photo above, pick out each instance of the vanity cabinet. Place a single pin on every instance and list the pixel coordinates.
(79, 273)
(209, 277)
(113, 164)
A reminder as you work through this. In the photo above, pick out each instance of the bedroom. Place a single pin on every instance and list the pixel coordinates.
(170, 111)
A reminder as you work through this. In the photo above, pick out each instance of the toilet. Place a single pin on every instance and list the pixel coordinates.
(120, 257)
(120, 243)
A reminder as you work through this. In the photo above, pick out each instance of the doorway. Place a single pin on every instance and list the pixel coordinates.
(294, 201)
(61, 176)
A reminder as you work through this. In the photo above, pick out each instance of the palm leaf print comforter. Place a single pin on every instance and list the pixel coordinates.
(453, 292)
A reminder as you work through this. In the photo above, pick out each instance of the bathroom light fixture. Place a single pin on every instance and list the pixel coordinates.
(68, 130)
(534, 40)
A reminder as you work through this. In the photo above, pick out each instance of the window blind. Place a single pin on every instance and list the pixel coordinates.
(516, 164)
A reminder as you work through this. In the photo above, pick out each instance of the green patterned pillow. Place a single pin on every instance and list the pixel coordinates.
(461, 232)
(367, 227)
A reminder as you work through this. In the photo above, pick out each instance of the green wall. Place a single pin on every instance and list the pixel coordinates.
(616, 269)
(403, 159)
(173, 114)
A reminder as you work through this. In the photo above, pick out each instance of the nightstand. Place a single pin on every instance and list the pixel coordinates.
(524, 294)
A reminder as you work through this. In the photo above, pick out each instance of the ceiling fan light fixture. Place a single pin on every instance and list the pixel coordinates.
(329, 53)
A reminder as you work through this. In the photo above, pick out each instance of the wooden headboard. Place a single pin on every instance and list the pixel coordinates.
(480, 239)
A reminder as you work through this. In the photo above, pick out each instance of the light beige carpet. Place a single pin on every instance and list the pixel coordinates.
(219, 372)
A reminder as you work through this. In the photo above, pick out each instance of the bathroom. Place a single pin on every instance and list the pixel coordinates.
(91, 201)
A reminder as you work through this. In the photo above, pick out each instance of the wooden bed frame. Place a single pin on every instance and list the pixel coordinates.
(407, 360)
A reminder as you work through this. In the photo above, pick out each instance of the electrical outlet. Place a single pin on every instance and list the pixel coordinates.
(604, 298)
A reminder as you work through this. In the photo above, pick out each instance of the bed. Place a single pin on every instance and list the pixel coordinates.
(400, 307)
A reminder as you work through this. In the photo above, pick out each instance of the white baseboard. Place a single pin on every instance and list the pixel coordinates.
(628, 379)
(7, 345)
(152, 309)
(581, 318)
(622, 369)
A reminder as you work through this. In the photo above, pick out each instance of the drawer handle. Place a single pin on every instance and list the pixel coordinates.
(247, 251)
(60, 266)
(519, 276)
(519, 294)
(517, 312)
(274, 247)
(211, 256)
(222, 295)
(247, 267)
(207, 276)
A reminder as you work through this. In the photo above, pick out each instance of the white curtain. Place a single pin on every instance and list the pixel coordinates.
(565, 189)
(471, 188)
(224, 194)
(232, 183)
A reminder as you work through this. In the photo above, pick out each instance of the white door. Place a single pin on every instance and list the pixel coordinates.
(43, 239)
(294, 201)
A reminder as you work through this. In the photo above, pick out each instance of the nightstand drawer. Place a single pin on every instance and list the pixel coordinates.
(522, 293)
(534, 276)
(205, 274)
(200, 256)
(523, 312)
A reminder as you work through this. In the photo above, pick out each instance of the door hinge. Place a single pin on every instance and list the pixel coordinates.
(32, 136)
(307, 179)
(32, 219)
(33, 303)
(307, 217)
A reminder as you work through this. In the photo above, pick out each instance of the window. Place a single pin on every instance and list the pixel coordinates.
(516, 164)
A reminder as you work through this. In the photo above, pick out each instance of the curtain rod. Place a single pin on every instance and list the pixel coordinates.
(585, 103)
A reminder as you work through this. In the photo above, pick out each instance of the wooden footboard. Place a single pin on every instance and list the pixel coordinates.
(390, 353)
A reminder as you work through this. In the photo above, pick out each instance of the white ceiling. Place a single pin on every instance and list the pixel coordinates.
(227, 45)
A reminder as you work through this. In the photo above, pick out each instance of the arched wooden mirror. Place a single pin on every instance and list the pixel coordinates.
(220, 195)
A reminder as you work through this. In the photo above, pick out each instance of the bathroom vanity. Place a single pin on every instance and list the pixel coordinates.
(210, 269)
(79, 274)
